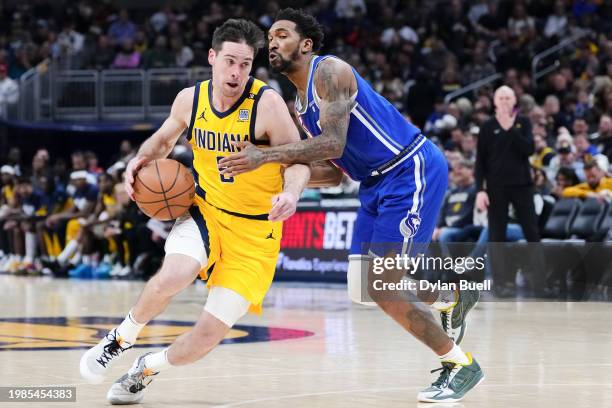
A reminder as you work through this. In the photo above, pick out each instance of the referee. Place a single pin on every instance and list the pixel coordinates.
(503, 174)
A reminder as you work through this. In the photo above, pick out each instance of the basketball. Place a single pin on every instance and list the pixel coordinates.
(164, 189)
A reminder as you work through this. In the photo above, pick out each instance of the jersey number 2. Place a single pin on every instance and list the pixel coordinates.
(223, 177)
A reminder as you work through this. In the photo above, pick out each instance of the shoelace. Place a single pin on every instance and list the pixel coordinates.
(111, 350)
(140, 381)
(444, 378)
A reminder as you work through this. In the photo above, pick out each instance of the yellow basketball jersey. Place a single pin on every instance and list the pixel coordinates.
(8, 193)
(210, 135)
(110, 203)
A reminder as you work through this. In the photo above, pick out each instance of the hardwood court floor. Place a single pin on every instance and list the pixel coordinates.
(534, 354)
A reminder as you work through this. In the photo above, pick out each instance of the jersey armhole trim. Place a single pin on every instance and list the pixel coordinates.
(254, 118)
(194, 109)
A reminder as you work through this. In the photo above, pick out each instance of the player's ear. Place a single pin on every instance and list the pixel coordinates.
(211, 56)
(306, 46)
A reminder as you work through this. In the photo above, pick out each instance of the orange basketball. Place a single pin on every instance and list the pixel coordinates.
(164, 189)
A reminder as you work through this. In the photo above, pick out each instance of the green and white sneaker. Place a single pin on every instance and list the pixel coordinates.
(454, 318)
(454, 381)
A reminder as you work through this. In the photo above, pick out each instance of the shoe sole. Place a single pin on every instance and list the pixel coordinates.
(86, 373)
(447, 400)
(114, 401)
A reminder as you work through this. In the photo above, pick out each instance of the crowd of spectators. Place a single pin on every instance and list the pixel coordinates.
(413, 52)
(76, 220)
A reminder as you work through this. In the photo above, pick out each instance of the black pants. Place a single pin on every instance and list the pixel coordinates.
(522, 200)
(504, 256)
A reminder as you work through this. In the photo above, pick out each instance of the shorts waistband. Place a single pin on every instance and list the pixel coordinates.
(403, 155)
(261, 217)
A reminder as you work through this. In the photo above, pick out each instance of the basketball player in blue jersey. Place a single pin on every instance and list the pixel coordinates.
(403, 181)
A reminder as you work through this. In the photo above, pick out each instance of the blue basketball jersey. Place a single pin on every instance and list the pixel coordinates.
(377, 131)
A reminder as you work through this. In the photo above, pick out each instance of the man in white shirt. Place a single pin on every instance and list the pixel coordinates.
(9, 91)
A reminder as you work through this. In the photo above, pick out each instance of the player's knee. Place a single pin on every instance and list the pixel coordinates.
(357, 278)
(175, 275)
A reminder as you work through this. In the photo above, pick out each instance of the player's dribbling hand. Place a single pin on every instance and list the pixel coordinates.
(283, 206)
(248, 158)
(130, 174)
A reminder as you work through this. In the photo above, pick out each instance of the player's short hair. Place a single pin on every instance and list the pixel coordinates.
(305, 24)
(238, 31)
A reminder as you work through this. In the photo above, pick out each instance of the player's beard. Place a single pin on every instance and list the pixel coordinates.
(286, 66)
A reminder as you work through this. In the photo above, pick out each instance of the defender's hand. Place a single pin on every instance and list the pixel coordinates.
(283, 206)
(130, 173)
(248, 158)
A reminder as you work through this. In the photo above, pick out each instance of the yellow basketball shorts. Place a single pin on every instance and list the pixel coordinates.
(240, 253)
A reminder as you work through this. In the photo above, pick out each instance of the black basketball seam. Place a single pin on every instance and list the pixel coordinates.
(178, 169)
(147, 187)
(173, 205)
(169, 198)
(162, 187)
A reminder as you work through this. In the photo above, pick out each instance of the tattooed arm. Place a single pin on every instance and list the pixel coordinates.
(335, 83)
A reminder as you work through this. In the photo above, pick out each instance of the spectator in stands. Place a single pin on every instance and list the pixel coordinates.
(39, 169)
(13, 159)
(183, 55)
(552, 109)
(159, 56)
(468, 144)
(26, 203)
(83, 199)
(541, 185)
(54, 198)
(585, 151)
(9, 91)
(521, 24)
(566, 177)
(597, 185)
(70, 41)
(141, 42)
(603, 137)
(128, 57)
(458, 207)
(60, 172)
(92, 163)
(543, 153)
(348, 9)
(91, 230)
(122, 29)
(79, 162)
(479, 67)
(580, 127)
(557, 22)
(7, 174)
(566, 157)
(102, 55)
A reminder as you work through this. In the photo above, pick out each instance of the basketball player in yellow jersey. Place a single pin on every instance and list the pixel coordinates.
(235, 224)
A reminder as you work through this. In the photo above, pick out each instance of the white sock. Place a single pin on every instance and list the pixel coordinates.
(129, 328)
(86, 260)
(446, 299)
(456, 355)
(71, 246)
(158, 361)
(30, 246)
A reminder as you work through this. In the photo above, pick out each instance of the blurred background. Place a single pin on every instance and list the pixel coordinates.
(82, 83)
